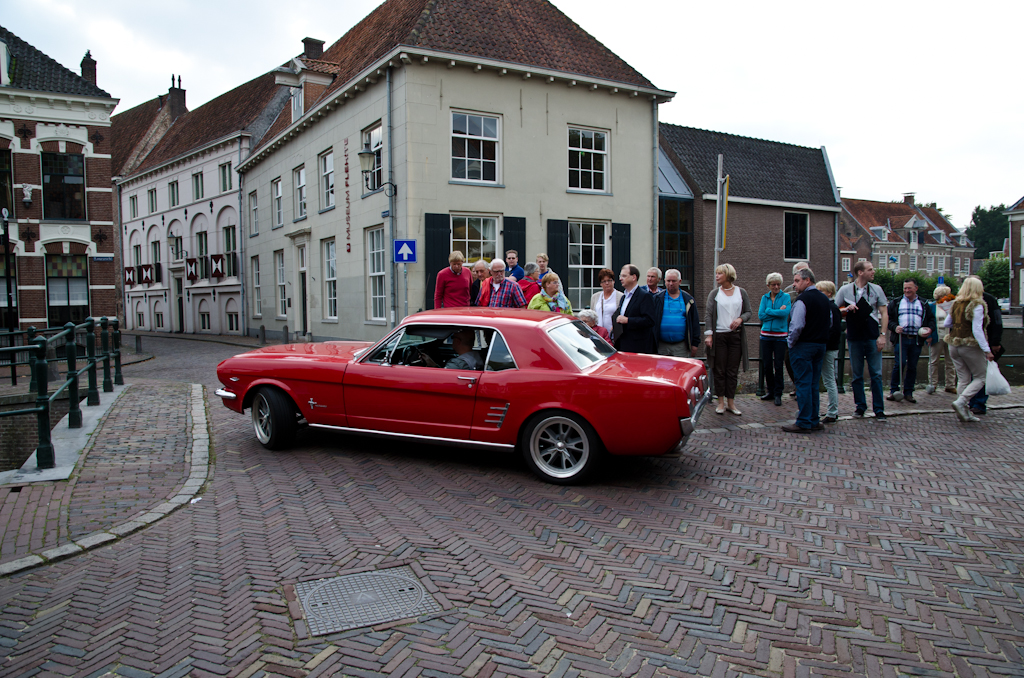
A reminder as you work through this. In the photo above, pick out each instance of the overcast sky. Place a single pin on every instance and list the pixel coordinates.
(905, 96)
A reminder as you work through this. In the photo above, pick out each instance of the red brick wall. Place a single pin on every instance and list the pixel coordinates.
(19, 435)
(99, 207)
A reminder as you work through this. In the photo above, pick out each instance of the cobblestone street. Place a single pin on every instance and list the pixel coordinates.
(879, 549)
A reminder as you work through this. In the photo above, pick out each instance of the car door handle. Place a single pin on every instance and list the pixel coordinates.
(471, 380)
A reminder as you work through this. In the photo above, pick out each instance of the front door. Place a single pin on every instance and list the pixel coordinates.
(302, 286)
(179, 302)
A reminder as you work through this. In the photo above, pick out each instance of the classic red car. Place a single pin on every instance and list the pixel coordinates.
(541, 382)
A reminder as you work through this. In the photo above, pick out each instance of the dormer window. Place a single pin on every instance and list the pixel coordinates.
(913, 237)
(296, 103)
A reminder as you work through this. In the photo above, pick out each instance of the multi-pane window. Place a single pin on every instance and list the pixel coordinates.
(140, 319)
(796, 236)
(299, 178)
(6, 183)
(929, 263)
(276, 202)
(587, 256)
(913, 262)
(197, 186)
(202, 254)
(588, 160)
(172, 194)
(296, 97)
(327, 180)
(474, 147)
(913, 237)
(475, 237)
(204, 320)
(282, 293)
(941, 261)
(846, 264)
(133, 206)
(151, 198)
(158, 320)
(63, 186)
(174, 243)
(375, 273)
(137, 255)
(373, 139)
(254, 214)
(230, 255)
(67, 288)
(257, 299)
(675, 238)
(225, 177)
(154, 258)
(232, 322)
(330, 280)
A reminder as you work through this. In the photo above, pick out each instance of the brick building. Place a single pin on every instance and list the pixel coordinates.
(1015, 252)
(783, 208)
(55, 169)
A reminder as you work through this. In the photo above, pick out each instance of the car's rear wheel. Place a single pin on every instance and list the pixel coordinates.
(273, 418)
(561, 447)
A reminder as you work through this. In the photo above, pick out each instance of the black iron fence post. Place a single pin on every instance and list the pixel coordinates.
(108, 385)
(118, 379)
(14, 359)
(841, 370)
(44, 451)
(30, 338)
(74, 408)
(93, 394)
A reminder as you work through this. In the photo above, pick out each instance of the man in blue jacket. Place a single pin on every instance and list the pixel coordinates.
(676, 321)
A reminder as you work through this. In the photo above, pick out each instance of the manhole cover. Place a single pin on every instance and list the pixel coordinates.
(364, 599)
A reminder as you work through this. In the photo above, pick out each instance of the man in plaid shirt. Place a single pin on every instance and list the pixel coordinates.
(499, 291)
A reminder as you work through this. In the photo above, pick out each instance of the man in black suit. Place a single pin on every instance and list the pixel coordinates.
(633, 320)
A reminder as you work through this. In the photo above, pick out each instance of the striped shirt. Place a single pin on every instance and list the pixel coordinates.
(911, 315)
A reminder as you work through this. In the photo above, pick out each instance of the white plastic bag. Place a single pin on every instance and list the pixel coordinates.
(995, 382)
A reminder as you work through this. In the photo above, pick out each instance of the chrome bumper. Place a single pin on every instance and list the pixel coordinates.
(689, 425)
(225, 394)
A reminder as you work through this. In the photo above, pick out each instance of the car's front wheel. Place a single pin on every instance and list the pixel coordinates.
(561, 447)
(273, 418)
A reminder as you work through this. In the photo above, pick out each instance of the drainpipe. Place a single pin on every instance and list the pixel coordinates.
(835, 241)
(240, 239)
(391, 207)
(654, 177)
(119, 258)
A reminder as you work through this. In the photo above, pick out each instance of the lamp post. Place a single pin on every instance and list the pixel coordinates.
(367, 163)
(367, 160)
(7, 271)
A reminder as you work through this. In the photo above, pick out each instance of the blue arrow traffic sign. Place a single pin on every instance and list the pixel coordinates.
(405, 251)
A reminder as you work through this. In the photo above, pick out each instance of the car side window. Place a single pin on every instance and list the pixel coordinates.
(382, 354)
(500, 357)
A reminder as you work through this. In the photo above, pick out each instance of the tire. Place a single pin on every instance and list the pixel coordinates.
(561, 447)
(273, 418)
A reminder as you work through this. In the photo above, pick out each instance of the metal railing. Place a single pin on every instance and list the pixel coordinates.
(110, 339)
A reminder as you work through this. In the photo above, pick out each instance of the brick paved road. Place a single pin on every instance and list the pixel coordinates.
(757, 553)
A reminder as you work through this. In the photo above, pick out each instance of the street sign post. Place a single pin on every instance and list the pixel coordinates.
(405, 252)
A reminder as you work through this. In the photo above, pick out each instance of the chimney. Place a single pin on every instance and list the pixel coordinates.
(312, 48)
(176, 99)
(908, 198)
(89, 68)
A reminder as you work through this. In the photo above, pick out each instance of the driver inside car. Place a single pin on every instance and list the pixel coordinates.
(466, 358)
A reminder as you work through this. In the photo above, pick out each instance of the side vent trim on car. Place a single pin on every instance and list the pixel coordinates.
(497, 415)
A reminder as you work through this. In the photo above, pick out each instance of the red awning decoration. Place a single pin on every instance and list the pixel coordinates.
(129, 275)
(217, 263)
(190, 269)
(147, 274)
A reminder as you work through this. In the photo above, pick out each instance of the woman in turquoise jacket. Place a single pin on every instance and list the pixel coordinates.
(774, 315)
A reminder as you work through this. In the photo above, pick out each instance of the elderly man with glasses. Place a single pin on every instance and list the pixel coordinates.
(499, 291)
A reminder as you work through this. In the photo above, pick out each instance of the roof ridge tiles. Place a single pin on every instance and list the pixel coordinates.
(740, 136)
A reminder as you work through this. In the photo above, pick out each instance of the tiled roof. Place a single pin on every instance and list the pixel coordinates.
(320, 66)
(128, 129)
(766, 170)
(939, 221)
(873, 213)
(1019, 205)
(233, 111)
(526, 32)
(33, 70)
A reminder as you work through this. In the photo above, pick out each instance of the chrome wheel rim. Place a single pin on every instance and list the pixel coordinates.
(261, 419)
(559, 447)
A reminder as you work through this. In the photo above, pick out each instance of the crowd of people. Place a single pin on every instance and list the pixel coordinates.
(800, 328)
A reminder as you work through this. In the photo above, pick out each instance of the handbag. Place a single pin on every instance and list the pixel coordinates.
(995, 382)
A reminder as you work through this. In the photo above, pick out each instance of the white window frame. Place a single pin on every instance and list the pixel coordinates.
(254, 214)
(929, 263)
(133, 206)
(376, 265)
(913, 238)
(481, 247)
(276, 202)
(158, 320)
(299, 182)
(579, 150)
(203, 254)
(225, 177)
(282, 292)
(204, 320)
(198, 189)
(257, 297)
(940, 263)
(330, 279)
(806, 255)
(151, 200)
(325, 164)
(956, 265)
(230, 251)
(577, 286)
(173, 197)
(154, 252)
(462, 140)
(846, 264)
(296, 102)
(912, 266)
(232, 321)
(137, 256)
(373, 137)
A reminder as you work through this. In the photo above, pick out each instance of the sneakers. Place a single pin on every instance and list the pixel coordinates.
(880, 416)
(961, 411)
(929, 389)
(859, 414)
(971, 417)
(910, 399)
(830, 420)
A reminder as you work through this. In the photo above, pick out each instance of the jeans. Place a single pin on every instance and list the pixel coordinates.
(907, 353)
(806, 359)
(861, 350)
(773, 351)
(828, 375)
(979, 401)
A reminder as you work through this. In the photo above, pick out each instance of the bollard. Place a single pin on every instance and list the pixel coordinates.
(44, 452)
(108, 385)
(74, 408)
(118, 379)
(263, 335)
(138, 343)
(284, 335)
(30, 339)
(92, 394)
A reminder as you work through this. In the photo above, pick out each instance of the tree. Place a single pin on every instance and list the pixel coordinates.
(995, 275)
(988, 229)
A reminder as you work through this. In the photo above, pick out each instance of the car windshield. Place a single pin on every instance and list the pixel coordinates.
(583, 346)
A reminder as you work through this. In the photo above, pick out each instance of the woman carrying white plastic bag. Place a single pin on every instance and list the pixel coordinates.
(995, 382)
(968, 346)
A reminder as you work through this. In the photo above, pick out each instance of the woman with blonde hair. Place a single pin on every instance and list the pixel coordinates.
(937, 346)
(968, 345)
(550, 298)
(727, 309)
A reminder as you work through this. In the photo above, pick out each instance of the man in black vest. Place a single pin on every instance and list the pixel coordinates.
(809, 324)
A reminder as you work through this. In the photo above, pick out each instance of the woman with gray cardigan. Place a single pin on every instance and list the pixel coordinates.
(727, 309)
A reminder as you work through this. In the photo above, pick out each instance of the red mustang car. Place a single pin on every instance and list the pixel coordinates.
(496, 379)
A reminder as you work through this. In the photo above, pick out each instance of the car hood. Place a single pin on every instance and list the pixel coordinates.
(333, 350)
